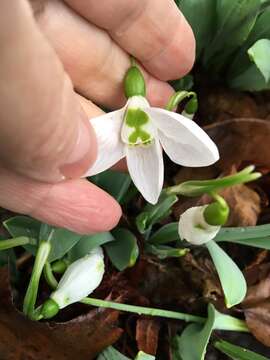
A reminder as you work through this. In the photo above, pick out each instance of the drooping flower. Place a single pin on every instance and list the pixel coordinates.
(194, 228)
(139, 132)
(80, 279)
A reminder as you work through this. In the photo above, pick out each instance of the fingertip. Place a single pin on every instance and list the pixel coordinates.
(158, 92)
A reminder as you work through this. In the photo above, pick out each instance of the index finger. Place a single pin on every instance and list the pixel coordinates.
(155, 32)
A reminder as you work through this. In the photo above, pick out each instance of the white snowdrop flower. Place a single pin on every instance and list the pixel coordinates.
(193, 227)
(139, 132)
(80, 279)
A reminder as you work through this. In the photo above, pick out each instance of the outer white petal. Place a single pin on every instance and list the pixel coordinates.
(80, 279)
(193, 227)
(182, 139)
(146, 168)
(110, 146)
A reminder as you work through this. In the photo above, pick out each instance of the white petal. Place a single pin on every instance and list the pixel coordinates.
(145, 165)
(80, 279)
(189, 145)
(193, 227)
(110, 147)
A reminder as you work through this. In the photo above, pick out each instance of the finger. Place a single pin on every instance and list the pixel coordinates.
(44, 133)
(153, 31)
(95, 63)
(76, 205)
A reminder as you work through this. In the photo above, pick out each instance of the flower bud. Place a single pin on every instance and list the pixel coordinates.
(80, 279)
(134, 83)
(192, 105)
(193, 227)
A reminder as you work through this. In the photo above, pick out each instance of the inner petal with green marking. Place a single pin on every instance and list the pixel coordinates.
(137, 127)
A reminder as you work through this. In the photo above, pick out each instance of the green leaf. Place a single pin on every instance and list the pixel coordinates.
(88, 243)
(250, 80)
(192, 343)
(236, 352)
(111, 354)
(114, 182)
(143, 356)
(166, 234)
(234, 22)
(203, 27)
(62, 240)
(259, 53)
(186, 83)
(164, 252)
(123, 251)
(24, 226)
(232, 279)
(261, 30)
(152, 214)
(257, 236)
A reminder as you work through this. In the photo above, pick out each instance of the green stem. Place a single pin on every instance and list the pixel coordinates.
(238, 326)
(200, 187)
(11, 243)
(32, 290)
(49, 276)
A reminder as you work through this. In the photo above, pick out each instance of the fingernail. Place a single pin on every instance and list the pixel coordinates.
(84, 152)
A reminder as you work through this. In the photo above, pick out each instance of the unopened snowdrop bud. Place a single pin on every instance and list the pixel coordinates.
(194, 228)
(80, 279)
(134, 83)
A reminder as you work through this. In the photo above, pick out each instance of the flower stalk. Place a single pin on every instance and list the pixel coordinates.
(32, 290)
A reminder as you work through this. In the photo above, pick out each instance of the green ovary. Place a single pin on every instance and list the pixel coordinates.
(136, 118)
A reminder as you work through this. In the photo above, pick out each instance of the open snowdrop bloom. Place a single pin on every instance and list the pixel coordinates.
(194, 228)
(139, 132)
(80, 279)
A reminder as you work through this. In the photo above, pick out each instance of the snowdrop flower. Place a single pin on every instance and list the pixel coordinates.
(79, 280)
(139, 132)
(193, 227)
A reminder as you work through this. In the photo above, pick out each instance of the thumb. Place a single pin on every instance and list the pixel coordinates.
(44, 133)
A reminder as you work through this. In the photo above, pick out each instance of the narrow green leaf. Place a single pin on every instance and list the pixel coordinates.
(237, 352)
(259, 53)
(123, 251)
(250, 80)
(256, 236)
(232, 279)
(192, 343)
(164, 252)
(204, 27)
(114, 182)
(166, 234)
(234, 22)
(143, 356)
(110, 353)
(88, 243)
(152, 214)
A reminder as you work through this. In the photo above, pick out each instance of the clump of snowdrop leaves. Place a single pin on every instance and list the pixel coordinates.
(139, 132)
(79, 280)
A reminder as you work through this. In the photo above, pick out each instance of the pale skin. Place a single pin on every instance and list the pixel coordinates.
(47, 51)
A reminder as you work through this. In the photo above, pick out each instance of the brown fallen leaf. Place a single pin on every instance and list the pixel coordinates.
(147, 332)
(257, 303)
(81, 338)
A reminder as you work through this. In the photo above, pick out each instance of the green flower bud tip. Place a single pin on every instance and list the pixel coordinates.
(216, 213)
(134, 83)
(192, 105)
(49, 309)
(60, 266)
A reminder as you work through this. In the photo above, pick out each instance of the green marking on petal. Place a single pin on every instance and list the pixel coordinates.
(136, 119)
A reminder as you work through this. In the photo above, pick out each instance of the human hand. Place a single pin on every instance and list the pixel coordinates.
(46, 141)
